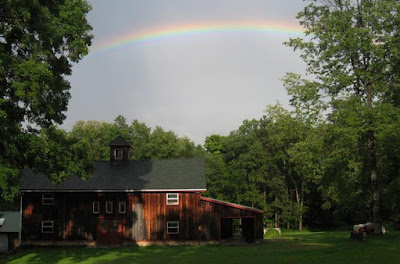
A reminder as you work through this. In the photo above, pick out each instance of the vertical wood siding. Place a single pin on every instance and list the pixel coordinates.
(211, 214)
(145, 219)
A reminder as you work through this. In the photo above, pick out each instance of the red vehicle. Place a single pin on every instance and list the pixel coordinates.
(361, 231)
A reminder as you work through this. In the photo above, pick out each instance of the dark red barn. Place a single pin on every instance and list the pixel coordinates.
(141, 202)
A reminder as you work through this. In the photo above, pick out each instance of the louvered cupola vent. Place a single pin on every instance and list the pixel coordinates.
(119, 150)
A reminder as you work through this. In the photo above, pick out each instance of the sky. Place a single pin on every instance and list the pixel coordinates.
(194, 67)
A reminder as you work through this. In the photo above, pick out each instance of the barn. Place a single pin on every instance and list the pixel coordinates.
(137, 202)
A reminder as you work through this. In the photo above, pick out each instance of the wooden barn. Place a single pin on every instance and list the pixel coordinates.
(140, 202)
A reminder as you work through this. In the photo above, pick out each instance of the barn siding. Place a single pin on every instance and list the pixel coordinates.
(211, 218)
(145, 218)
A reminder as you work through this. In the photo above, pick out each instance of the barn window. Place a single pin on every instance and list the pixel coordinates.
(118, 154)
(47, 198)
(47, 226)
(208, 207)
(173, 227)
(172, 198)
(109, 207)
(96, 207)
(122, 207)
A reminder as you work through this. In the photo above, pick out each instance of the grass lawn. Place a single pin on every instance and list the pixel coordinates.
(291, 247)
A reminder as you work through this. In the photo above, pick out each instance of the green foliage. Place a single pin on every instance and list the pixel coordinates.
(256, 166)
(351, 52)
(145, 142)
(272, 234)
(60, 155)
(39, 41)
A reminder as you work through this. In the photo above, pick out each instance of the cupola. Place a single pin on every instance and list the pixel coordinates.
(119, 150)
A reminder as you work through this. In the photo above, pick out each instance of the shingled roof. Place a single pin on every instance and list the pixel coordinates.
(151, 175)
(120, 142)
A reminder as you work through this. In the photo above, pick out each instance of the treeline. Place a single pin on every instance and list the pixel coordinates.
(307, 173)
(146, 143)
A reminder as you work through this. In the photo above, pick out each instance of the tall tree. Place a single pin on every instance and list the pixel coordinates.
(217, 176)
(98, 134)
(351, 47)
(39, 41)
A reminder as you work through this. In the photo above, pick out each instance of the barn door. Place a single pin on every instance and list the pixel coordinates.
(109, 230)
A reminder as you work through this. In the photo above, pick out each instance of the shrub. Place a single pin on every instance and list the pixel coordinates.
(272, 233)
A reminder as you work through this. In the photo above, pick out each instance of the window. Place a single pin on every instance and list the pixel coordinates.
(47, 198)
(47, 226)
(109, 207)
(96, 207)
(173, 227)
(172, 198)
(122, 207)
(208, 207)
(118, 154)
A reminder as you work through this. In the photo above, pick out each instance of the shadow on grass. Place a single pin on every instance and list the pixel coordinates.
(307, 247)
(107, 255)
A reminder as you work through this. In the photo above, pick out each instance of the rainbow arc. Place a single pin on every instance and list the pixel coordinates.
(189, 29)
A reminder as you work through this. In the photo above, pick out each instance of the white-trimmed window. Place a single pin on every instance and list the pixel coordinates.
(109, 207)
(173, 227)
(119, 154)
(122, 207)
(47, 198)
(96, 207)
(47, 226)
(172, 198)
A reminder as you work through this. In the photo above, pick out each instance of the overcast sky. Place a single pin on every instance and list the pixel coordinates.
(195, 85)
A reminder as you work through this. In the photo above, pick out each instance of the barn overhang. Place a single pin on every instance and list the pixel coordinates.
(233, 205)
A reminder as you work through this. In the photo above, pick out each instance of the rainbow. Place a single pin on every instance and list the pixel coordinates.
(190, 29)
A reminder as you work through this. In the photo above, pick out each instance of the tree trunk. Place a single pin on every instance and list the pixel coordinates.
(276, 225)
(299, 201)
(374, 169)
(301, 212)
(265, 194)
(279, 219)
(374, 183)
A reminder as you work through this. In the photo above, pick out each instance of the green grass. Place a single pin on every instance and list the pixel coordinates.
(291, 247)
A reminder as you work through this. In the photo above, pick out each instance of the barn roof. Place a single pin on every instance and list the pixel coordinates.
(11, 221)
(150, 175)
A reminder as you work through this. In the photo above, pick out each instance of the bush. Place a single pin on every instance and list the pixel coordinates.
(272, 233)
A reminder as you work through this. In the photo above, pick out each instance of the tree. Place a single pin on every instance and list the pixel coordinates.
(59, 155)
(217, 177)
(39, 41)
(351, 48)
(140, 140)
(98, 135)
